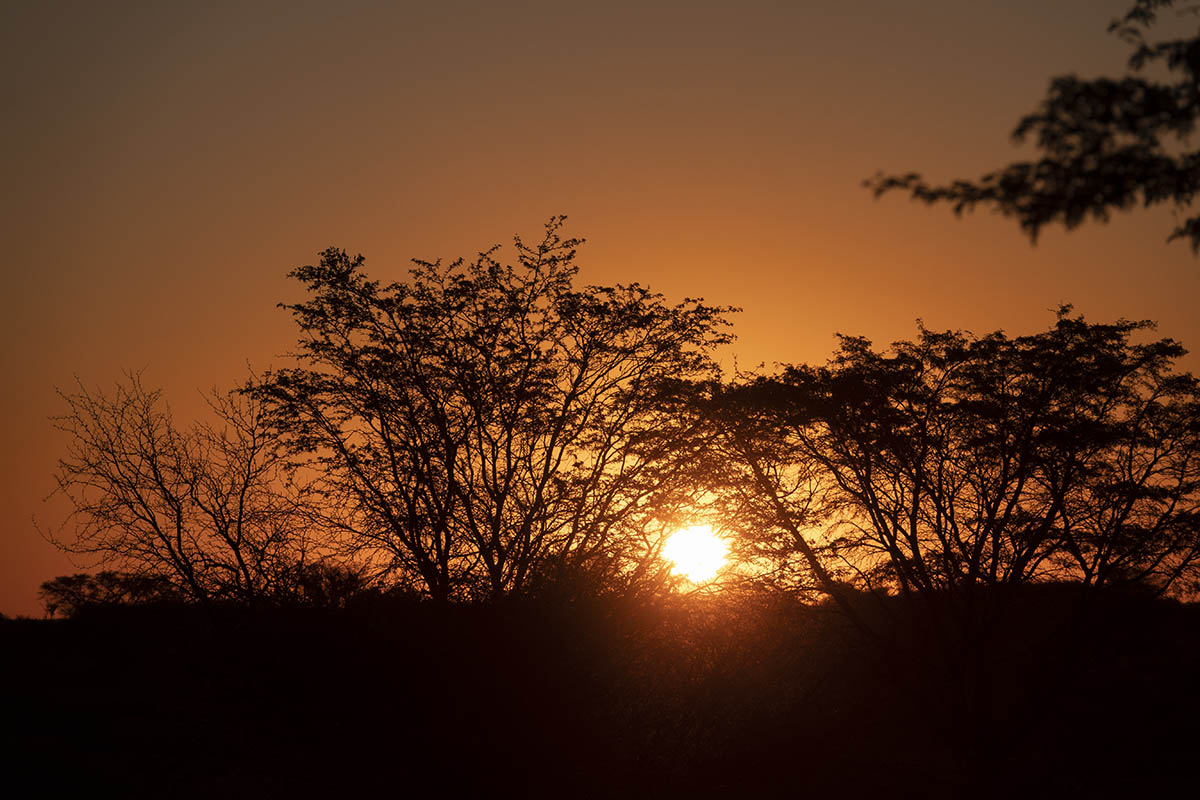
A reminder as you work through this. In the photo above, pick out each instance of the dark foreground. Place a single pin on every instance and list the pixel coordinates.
(1049, 693)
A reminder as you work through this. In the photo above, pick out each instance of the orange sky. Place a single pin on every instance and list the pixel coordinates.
(165, 166)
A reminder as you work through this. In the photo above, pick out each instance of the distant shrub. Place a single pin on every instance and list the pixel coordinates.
(68, 595)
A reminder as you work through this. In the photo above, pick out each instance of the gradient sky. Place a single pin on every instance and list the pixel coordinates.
(166, 164)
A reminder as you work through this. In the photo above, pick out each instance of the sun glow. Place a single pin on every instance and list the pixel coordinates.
(696, 553)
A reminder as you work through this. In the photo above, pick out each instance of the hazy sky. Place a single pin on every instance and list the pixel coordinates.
(166, 164)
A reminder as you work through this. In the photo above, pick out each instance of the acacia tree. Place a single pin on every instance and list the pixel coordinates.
(485, 426)
(954, 461)
(206, 508)
(1106, 143)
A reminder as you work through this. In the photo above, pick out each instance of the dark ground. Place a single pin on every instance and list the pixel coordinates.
(1054, 693)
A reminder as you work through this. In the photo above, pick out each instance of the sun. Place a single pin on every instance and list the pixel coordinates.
(696, 553)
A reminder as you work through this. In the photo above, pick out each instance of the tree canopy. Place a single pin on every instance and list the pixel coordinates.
(954, 460)
(1106, 143)
(481, 427)
(205, 508)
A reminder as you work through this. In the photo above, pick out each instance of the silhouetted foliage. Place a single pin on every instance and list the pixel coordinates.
(954, 461)
(206, 508)
(70, 595)
(1106, 143)
(328, 584)
(482, 427)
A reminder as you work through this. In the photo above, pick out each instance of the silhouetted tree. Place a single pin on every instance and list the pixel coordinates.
(329, 584)
(954, 461)
(71, 594)
(1106, 143)
(484, 426)
(206, 508)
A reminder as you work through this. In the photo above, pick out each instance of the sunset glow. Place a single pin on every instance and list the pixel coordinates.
(696, 553)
